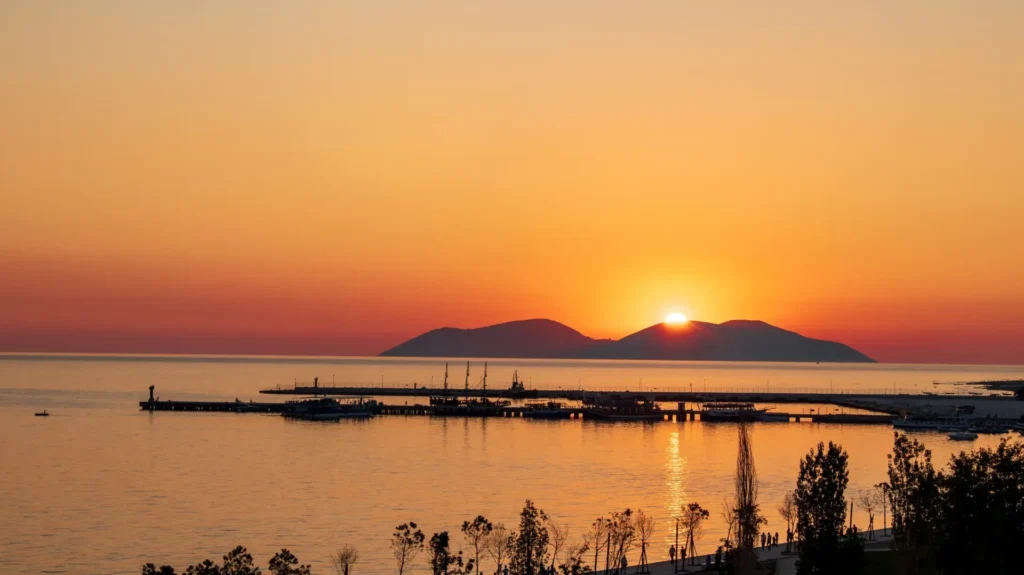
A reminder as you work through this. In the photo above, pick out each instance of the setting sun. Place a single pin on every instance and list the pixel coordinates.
(675, 318)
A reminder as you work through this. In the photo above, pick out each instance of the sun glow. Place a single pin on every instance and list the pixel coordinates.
(675, 318)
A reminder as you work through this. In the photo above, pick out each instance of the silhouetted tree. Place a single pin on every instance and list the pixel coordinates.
(820, 498)
(530, 549)
(621, 537)
(913, 494)
(344, 559)
(573, 564)
(558, 535)
(748, 512)
(207, 567)
(981, 511)
(151, 569)
(693, 523)
(644, 532)
(597, 539)
(881, 491)
(476, 534)
(787, 510)
(406, 544)
(728, 514)
(870, 501)
(442, 561)
(499, 545)
(285, 563)
(238, 561)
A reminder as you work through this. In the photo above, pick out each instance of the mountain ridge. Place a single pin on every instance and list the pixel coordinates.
(540, 338)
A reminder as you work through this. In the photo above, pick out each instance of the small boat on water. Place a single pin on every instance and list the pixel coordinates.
(963, 436)
(545, 410)
(328, 409)
(622, 409)
(43, 413)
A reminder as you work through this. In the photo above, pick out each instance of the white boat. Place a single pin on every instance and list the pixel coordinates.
(963, 436)
(723, 411)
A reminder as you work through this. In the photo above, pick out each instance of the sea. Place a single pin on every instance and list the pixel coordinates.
(100, 487)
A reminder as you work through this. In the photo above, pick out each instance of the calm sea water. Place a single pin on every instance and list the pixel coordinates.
(100, 487)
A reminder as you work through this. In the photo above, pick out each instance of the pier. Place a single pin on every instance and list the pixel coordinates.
(823, 397)
(219, 406)
(512, 411)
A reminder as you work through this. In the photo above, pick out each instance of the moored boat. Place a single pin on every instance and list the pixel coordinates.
(622, 409)
(448, 405)
(963, 436)
(732, 412)
(545, 410)
(518, 388)
(328, 409)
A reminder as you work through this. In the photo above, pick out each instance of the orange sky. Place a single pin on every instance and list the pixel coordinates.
(333, 177)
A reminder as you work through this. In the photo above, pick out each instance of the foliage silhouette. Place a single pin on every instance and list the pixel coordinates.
(285, 563)
(476, 533)
(406, 544)
(529, 552)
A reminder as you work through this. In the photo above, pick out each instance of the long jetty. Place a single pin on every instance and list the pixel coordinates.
(511, 411)
(851, 400)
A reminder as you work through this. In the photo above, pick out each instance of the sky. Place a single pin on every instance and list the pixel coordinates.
(332, 178)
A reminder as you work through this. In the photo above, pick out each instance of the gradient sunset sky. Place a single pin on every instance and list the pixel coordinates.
(334, 177)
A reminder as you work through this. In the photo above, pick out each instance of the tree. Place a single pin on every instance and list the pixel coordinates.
(573, 563)
(693, 523)
(476, 534)
(442, 561)
(285, 563)
(870, 501)
(238, 561)
(787, 510)
(821, 511)
(529, 553)
(207, 567)
(499, 545)
(559, 535)
(748, 512)
(913, 492)
(344, 559)
(981, 511)
(597, 539)
(728, 514)
(621, 537)
(151, 569)
(406, 544)
(645, 532)
(882, 490)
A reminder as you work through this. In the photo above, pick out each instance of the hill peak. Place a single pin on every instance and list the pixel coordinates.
(734, 340)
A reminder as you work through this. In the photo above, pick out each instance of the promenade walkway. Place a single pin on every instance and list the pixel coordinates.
(787, 562)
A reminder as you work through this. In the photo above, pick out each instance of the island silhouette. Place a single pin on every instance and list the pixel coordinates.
(736, 340)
